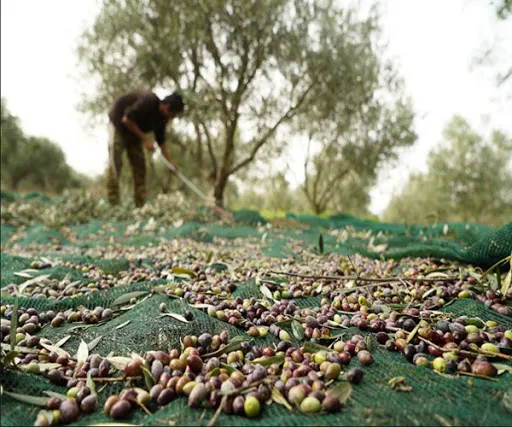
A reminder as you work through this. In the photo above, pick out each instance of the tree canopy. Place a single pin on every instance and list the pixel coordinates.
(247, 71)
(468, 179)
(33, 162)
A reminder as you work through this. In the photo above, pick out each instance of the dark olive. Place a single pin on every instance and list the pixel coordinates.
(68, 411)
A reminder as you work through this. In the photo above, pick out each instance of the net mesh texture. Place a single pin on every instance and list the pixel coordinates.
(435, 400)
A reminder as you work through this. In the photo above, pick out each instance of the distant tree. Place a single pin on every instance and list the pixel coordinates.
(247, 69)
(468, 179)
(32, 163)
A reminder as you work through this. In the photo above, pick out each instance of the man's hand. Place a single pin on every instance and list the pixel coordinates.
(150, 146)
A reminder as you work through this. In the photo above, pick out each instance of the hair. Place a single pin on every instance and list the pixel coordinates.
(175, 103)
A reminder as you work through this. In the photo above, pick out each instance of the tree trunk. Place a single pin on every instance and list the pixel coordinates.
(317, 208)
(218, 190)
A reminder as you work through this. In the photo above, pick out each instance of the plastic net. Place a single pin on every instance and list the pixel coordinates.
(434, 399)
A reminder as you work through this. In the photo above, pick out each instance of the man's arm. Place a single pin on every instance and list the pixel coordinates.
(132, 126)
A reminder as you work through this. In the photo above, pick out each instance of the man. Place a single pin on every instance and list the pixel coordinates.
(134, 115)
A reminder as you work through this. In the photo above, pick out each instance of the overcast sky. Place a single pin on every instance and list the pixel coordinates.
(432, 41)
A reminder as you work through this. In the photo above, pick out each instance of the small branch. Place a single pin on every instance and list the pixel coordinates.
(458, 350)
(364, 279)
(219, 410)
(210, 149)
(106, 379)
(259, 143)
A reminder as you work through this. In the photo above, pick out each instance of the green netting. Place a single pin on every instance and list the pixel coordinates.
(435, 400)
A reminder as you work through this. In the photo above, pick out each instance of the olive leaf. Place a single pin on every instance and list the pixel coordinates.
(219, 266)
(311, 347)
(284, 323)
(279, 399)
(58, 350)
(119, 362)
(83, 352)
(269, 360)
(9, 357)
(14, 325)
(368, 342)
(321, 243)
(413, 333)
(502, 368)
(127, 297)
(56, 395)
(92, 386)
(507, 281)
(122, 325)
(266, 292)
(342, 392)
(229, 369)
(149, 379)
(29, 282)
(209, 257)
(429, 292)
(437, 274)
(175, 316)
(181, 270)
(399, 384)
(233, 345)
(94, 343)
(23, 274)
(48, 366)
(22, 350)
(25, 398)
(297, 330)
(63, 341)
(214, 373)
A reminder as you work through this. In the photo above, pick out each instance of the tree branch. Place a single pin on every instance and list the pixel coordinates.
(214, 50)
(259, 143)
(306, 162)
(210, 149)
(329, 188)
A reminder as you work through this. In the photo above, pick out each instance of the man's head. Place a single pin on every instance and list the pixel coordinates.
(172, 105)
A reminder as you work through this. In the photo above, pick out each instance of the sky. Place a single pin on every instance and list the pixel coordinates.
(433, 43)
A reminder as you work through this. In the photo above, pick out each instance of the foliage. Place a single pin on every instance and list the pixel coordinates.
(468, 179)
(247, 70)
(35, 163)
(79, 206)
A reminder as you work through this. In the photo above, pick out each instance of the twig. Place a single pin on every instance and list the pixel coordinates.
(243, 389)
(106, 379)
(217, 413)
(353, 265)
(484, 377)
(458, 350)
(365, 279)
(455, 350)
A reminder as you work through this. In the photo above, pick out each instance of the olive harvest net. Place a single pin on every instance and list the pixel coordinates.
(116, 246)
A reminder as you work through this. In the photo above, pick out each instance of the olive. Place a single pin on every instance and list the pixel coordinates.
(121, 409)
(68, 411)
(331, 404)
(355, 376)
(310, 405)
(88, 404)
(251, 407)
(166, 396)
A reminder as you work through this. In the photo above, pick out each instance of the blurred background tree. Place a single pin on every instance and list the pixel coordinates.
(247, 71)
(468, 179)
(33, 163)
